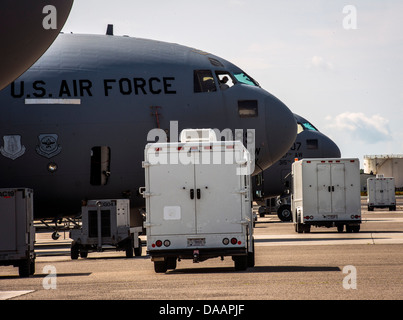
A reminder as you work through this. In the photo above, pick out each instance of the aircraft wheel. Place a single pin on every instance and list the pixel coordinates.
(55, 235)
(284, 213)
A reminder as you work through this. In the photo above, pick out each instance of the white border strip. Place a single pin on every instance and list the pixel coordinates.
(53, 101)
(5, 295)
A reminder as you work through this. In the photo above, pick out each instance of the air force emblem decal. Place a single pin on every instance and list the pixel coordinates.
(12, 148)
(48, 146)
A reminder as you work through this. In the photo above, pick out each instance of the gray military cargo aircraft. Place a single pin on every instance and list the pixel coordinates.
(275, 181)
(75, 125)
(27, 29)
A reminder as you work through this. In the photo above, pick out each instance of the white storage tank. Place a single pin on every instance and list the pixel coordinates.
(387, 165)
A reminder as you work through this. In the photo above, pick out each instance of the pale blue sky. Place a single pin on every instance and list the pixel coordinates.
(347, 82)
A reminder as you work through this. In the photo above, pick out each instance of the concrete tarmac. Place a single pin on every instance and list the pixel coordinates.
(321, 265)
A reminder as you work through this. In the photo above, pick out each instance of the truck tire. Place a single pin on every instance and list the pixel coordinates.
(24, 268)
(160, 266)
(251, 256)
(299, 227)
(241, 262)
(284, 213)
(74, 252)
(171, 263)
(129, 250)
(138, 251)
(340, 228)
(355, 229)
(83, 252)
(350, 229)
(32, 267)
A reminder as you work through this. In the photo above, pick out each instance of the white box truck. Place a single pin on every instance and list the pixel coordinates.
(326, 193)
(381, 193)
(105, 226)
(198, 202)
(17, 231)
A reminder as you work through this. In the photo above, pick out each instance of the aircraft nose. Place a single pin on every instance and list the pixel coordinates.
(330, 149)
(281, 130)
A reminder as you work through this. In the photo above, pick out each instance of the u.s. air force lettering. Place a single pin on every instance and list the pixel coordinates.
(80, 88)
(48, 146)
(12, 147)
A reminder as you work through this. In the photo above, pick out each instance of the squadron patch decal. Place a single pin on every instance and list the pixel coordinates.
(12, 148)
(48, 146)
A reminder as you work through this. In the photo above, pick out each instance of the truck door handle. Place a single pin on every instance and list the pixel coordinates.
(192, 194)
(330, 188)
(198, 193)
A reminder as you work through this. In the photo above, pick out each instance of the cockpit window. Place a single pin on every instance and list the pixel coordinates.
(225, 79)
(309, 126)
(305, 126)
(245, 79)
(248, 108)
(204, 81)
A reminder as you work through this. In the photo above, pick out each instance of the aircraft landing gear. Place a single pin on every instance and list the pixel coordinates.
(55, 235)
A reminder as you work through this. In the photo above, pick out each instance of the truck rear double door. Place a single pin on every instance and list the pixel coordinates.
(195, 199)
(331, 189)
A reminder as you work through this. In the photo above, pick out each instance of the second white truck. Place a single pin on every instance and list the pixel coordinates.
(105, 226)
(326, 193)
(381, 193)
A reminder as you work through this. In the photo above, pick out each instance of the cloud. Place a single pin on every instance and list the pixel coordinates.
(318, 62)
(371, 129)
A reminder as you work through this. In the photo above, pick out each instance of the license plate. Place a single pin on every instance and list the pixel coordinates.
(199, 242)
(332, 217)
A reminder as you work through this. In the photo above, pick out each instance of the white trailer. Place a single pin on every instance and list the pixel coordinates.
(198, 202)
(105, 226)
(326, 193)
(381, 193)
(17, 231)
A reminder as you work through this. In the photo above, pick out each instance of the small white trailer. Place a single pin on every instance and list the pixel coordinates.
(381, 193)
(198, 201)
(17, 231)
(105, 226)
(326, 193)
